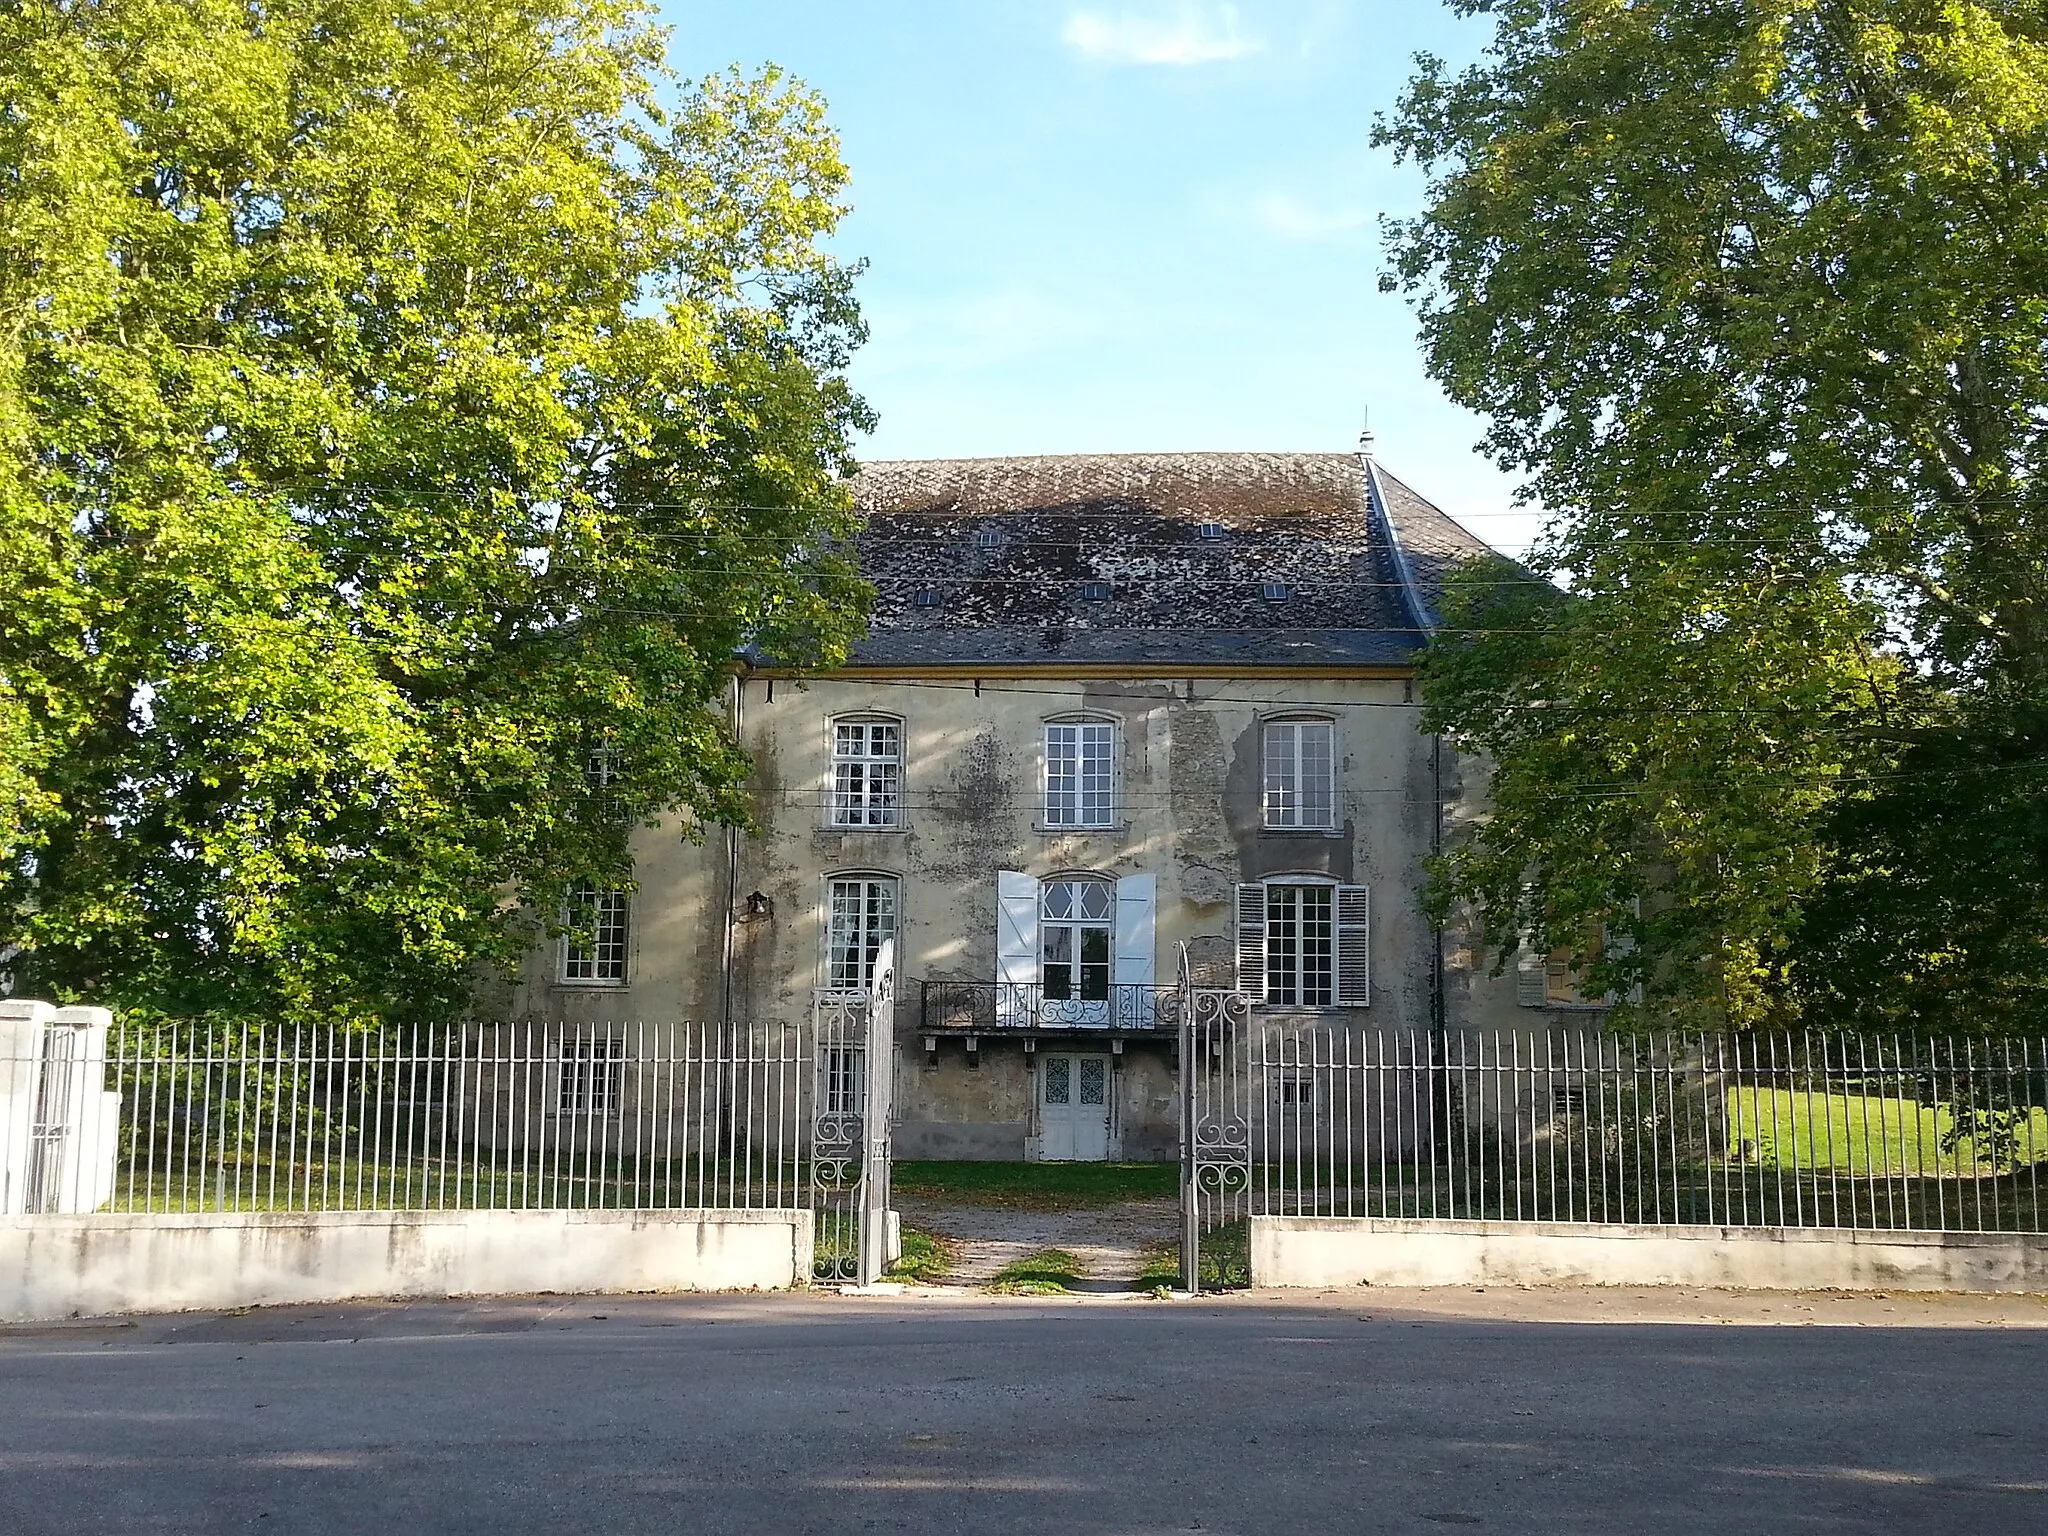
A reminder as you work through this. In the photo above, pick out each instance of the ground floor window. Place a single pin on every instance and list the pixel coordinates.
(593, 1077)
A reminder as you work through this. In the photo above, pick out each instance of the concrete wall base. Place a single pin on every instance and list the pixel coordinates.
(82, 1266)
(1332, 1251)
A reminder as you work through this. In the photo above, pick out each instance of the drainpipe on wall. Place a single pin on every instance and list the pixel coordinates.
(1446, 1132)
(737, 720)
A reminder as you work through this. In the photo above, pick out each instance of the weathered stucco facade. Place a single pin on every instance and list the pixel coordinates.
(1204, 658)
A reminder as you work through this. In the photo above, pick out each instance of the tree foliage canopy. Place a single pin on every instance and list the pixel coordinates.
(407, 405)
(1756, 293)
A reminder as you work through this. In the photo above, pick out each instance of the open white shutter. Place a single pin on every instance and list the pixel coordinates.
(1016, 946)
(1251, 942)
(1137, 905)
(1354, 946)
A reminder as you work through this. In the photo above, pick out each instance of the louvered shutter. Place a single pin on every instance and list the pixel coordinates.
(1251, 942)
(1530, 979)
(1016, 947)
(1354, 946)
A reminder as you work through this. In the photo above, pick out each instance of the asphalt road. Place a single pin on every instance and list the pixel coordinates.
(1362, 1412)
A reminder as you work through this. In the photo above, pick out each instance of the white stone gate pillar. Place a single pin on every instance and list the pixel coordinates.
(59, 1127)
(22, 1023)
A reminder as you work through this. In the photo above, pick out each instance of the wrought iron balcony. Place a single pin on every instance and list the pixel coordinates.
(995, 1006)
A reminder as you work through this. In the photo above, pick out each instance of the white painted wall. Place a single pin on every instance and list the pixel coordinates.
(1344, 1251)
(83, 1266)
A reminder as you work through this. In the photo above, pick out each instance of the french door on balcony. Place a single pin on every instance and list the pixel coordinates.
(1075, 926)
(1074, 950)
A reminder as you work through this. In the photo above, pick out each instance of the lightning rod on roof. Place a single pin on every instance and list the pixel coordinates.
(1365, 434)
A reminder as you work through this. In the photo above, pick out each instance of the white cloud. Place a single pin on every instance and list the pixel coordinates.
(1294, 219)
(1184, 34)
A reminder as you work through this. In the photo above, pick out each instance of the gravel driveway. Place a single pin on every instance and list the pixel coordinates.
(1111, 1241)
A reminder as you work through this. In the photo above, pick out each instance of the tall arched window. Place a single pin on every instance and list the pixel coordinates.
(1080, 772)
(1076, 935)
(1304, 941)
(1300, 773)
(867, 773)
(860, 917)
(594, 953)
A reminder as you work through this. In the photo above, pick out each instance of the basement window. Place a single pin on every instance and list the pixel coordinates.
(593, 1077)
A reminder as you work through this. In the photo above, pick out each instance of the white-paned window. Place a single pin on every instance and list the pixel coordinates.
(593, 1077)
(1076, 923)
(595, 953)
(841, 1086)
(1301, 777)
(1080, 774)
(1305, 943)
(860, 919)
(1301, 944)
(867, 773)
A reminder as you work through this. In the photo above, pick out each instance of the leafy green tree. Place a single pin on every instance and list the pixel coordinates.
(409, 407)
(1756, 293)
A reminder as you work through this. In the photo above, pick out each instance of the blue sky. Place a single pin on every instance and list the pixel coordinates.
(1125, 225)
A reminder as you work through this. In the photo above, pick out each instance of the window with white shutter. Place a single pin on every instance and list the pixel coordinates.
(1305, 943)
(1301, 944)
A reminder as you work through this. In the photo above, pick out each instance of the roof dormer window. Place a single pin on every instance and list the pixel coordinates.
(1094, 591)
(988, 538)
(1213, 532)
(1274, 591)
(928, 597)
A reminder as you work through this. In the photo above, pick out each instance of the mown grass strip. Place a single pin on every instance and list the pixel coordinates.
(1036, 1186)
(925, 1259)
(1049, 1272)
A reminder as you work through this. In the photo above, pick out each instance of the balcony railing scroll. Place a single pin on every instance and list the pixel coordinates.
(994, 1006)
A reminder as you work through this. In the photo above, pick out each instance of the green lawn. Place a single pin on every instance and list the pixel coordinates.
(924, 1260)
(1855, 1134)
(1036, 1186)
(1049, 1272)
(1226, 1262)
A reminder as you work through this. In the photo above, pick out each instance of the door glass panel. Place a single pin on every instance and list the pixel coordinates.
(1058, 1084)
(1059, 963)
(1094, 964)
(1094, 1080)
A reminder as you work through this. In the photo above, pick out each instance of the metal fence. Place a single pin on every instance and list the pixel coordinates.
(518, 1116)
(1756, 1130)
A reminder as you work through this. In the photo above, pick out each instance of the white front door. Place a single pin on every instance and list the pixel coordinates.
(1073, 1108)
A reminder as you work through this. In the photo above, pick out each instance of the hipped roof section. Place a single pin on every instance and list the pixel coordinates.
(1323, 559)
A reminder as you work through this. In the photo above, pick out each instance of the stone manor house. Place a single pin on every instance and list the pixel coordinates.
(1107, 705)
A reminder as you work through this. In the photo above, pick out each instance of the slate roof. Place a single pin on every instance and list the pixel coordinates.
(1103, 558)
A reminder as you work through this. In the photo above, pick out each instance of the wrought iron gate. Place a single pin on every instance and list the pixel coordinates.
(1215, 1115)
(854, 1043)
